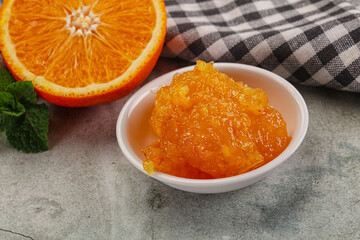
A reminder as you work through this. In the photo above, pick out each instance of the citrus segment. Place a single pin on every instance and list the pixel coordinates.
(82, 53)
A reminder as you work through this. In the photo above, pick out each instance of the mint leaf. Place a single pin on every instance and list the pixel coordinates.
(23, 92)
(5, 78)
(9, 105)
(5, 121)
(24, 122)
(28, 133)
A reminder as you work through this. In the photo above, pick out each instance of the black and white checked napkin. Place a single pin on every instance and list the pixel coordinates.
(312, 42)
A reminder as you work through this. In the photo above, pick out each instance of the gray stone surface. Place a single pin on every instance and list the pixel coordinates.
(84, 188)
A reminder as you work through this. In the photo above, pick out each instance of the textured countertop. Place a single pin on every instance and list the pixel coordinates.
(84, 188)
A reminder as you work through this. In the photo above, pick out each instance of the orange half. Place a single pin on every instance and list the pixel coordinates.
(82, 52)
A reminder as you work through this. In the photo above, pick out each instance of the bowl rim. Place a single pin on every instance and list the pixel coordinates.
(170, 179)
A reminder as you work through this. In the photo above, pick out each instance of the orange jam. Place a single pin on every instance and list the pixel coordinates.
(210, 126)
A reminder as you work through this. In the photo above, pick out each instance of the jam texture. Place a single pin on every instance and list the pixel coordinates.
(210, 126)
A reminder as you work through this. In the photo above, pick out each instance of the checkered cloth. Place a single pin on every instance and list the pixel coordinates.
(314, 42)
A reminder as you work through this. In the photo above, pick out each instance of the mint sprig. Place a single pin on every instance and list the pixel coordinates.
(24, 121)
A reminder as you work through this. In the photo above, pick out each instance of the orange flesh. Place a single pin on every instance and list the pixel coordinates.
(78, 50)
(210, 126)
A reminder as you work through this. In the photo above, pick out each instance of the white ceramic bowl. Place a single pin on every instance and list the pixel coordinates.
(134, 133)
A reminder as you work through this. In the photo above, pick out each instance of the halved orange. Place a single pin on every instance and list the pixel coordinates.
(82, 52)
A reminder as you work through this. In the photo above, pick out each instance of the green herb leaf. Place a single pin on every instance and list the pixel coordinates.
(6, 121)
(9, 105)
(24, 122)
(3, 122)
(5, 78)
(29, 132)
(23, 92)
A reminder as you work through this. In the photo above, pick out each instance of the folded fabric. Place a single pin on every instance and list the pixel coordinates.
(313, 42)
